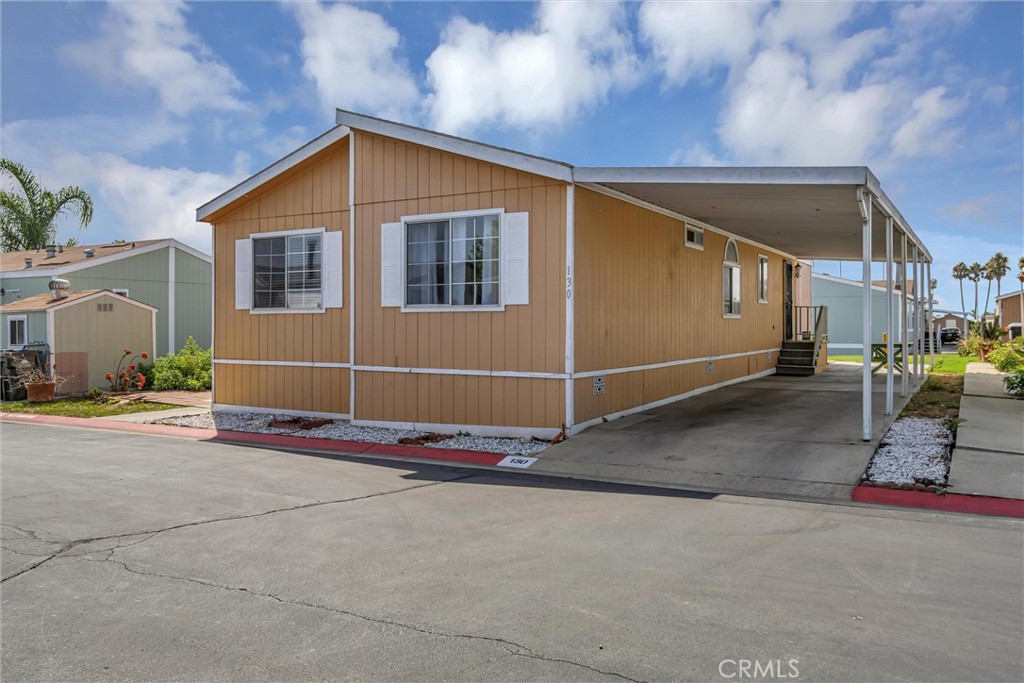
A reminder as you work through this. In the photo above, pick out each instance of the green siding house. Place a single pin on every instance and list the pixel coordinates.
(165, 274)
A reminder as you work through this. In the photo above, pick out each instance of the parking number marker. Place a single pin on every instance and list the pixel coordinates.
(517, 461)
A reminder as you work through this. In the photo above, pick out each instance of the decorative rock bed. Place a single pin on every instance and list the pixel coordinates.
(913, 454)
(341, 430)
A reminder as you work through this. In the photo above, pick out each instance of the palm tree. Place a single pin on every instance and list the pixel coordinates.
(1000, 266)
(1020, 277)
(960, 273)
(988, 274)
(28, 220)
(974, 272)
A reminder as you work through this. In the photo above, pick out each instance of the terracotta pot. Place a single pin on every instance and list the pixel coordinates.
(41, 392)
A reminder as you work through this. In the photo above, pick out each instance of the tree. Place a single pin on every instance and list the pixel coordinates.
(960, 273)
(1020, 277)
(989, 275)
(974, 272)
(28, 220)
(999, 265)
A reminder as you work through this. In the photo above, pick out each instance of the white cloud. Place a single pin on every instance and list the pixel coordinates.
(691, 39)
(927, 132)
(151, 202)
(572, 58)
(148, 45)
(350, 54)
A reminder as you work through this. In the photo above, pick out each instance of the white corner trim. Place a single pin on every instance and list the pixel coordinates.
(671, 399)
(228, 408)
(570, 304)
(668, 364)
(546, 433)
(467, 373)
(152, 322)
(281, 363)
(290, 160)
(449, 143)
(171, 287)
(352, 272)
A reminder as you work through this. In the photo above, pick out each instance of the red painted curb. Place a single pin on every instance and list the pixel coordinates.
(278, 440)
(948, 502)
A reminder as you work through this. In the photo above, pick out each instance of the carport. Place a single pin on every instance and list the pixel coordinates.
(829, 213)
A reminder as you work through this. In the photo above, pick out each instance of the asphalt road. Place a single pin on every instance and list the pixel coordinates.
(129, 557)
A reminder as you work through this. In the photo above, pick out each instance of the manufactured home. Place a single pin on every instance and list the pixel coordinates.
(844, 298)
(397, 276)
(164, 274)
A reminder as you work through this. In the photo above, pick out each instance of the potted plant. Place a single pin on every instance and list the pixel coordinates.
(40, 383)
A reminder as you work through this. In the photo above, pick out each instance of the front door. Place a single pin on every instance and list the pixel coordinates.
(787, 298)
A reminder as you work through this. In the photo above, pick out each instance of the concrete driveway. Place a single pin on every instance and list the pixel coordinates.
(792, 437)
(130, 558)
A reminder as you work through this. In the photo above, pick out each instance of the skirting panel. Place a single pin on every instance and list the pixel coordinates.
(460, 400)
(629, 390)
(315, 390)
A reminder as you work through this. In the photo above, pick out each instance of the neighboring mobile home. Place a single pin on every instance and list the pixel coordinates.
(86, 332)
(844, 299)
(164, 274)
(1009, 308)
(397, 276)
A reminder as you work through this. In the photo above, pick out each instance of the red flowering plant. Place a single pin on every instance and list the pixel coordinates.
(127, 377)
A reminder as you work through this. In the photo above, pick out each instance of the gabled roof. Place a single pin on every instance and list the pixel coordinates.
(46, 302)
(12, 263)
(876, 286)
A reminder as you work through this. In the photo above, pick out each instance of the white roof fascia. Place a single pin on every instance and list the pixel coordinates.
(527, 163)
(722, 175)
(853, 283)
(100, 260)
(1006, 296)
(275, 169)
(886, 206)
(604, 189)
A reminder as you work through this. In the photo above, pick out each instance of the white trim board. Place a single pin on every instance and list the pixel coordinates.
(546, 433)
(665, 401)
(669, 363)
(449, 143)
(275, 169)
(228, 408)
(281, 363)
(455, 371)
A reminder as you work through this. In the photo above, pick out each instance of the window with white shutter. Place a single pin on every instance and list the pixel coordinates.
(290, 271)
(469, 260)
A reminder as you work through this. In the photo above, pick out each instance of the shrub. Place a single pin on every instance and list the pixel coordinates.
(1008, 357)
(1015, 384)
(189, 369)
(976, 346)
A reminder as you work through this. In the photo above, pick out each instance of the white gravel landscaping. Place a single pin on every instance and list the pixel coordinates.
(915, 450)
(341, 430)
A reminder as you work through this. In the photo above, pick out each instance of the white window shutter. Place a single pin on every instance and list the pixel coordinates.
(243, 274)
(391, 244)
(332, 280)
(516, 250)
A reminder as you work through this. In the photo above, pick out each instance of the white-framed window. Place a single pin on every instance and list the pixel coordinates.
(17, 330)
(694, 237)
(731, 281)
(121, 292)
(289, 271)
(762, 279)
(460, 261)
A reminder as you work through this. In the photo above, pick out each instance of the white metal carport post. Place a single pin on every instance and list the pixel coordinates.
(913, 312)
(866, 210)
(888, 315)
(930, 315)
(904, 319)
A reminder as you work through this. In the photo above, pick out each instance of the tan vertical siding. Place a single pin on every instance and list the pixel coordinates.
(396, 179)
(312, 195)
(1009, 310)
(101, 336)
(643, 297)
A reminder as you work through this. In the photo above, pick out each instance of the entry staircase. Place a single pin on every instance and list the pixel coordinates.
(799, 354)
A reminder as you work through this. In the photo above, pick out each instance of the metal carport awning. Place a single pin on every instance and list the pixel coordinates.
(828, 213)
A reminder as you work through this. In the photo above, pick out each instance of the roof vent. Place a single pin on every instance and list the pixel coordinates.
(60, 248)
(28, 263)
(51, 250)
(59, 288)
(89, 253)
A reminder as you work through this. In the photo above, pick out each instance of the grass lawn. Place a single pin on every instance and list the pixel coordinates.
(952, 363)
(82, 407)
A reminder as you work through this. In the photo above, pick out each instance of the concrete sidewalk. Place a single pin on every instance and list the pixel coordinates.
(989, 456)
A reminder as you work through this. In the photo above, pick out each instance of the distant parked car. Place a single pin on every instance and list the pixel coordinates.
(949, 335)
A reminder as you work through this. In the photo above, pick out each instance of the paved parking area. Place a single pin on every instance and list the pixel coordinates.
(792, 437)
(130, 557)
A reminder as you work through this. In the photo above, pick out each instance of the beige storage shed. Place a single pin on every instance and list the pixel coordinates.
(86, 331)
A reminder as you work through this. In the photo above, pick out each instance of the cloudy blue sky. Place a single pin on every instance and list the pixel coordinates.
(156, 107)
